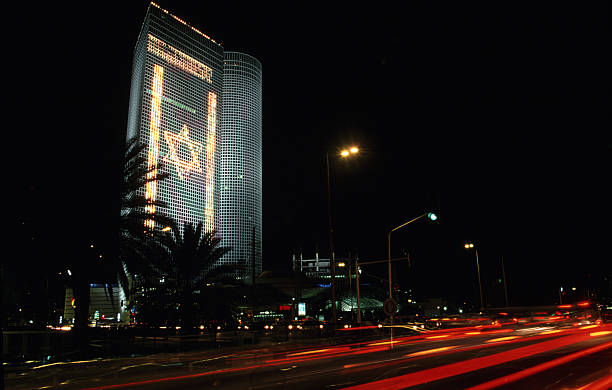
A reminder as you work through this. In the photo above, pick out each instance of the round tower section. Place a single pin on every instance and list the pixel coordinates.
(240, 225)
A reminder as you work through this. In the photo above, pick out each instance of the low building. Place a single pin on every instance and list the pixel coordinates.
(107, 305)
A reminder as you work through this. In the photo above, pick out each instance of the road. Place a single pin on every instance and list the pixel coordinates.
(544, 355)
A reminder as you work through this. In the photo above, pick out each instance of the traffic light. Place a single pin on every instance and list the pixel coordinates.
(432, 216)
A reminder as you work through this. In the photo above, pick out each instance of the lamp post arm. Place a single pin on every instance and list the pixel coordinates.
(389, 246)
(406, 223)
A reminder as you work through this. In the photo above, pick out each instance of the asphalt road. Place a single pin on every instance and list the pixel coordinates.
(547, 355)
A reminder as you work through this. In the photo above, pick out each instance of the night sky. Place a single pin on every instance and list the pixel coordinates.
(493, 116)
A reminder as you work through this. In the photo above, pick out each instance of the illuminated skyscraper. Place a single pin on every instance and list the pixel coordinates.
(175, 101)
(198, 110)
(241, 163)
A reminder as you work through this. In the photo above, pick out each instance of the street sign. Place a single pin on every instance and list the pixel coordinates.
(390, 306)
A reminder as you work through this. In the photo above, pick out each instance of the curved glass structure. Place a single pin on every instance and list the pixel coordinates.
(240, 214)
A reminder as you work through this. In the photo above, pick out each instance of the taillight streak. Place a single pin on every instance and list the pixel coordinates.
(450, 370)
(540, 367)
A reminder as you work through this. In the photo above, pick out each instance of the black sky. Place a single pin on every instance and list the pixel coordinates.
(494, 116)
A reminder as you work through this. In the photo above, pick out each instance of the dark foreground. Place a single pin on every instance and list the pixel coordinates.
(528, 356)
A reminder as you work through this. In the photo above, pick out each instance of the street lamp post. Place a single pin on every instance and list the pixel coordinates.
(470, 246)
(431, 216)
(332, 261)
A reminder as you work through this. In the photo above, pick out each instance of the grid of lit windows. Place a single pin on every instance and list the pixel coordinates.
(241, 162)
(199, 112)
(177, 82)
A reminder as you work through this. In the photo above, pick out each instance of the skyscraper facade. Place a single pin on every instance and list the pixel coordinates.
(175, 102)
(198, 111)
(241, 163)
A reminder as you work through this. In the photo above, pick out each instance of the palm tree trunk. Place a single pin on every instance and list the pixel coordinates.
(187, 312)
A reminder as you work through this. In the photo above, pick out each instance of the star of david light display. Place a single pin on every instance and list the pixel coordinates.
(174, 141)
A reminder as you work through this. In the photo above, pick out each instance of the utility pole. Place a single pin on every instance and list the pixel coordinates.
(350, 266)
(357, 281)
(253, 256)
(332, 260)
(505, 286)
(479, 282)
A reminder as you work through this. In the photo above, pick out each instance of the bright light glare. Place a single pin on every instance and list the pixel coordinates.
(354, 149)
(344, 153)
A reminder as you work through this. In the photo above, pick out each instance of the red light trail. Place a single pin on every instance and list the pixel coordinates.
(450, 370)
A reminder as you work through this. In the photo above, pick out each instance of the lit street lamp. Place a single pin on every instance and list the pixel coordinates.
(469, 246)
(332, 263)
(431, 216)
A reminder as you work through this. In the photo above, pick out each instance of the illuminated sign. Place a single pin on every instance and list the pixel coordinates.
(151, 186)
(301, 309)
(185, 153)
(209, 200)
(179, 59)
(173, 141)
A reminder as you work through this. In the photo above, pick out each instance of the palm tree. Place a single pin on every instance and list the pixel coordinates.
(192, 259)
(138, 245)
